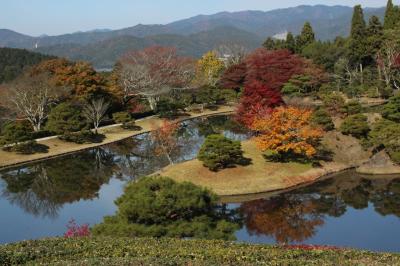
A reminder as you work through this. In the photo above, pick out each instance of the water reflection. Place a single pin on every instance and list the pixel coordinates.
(42, 189)
(297, 216)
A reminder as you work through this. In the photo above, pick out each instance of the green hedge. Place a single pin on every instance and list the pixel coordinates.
(149, 251)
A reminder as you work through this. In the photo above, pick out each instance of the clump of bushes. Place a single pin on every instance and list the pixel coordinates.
(219, 152)
(351, 108)
(158, 206)
(170, 251)
(333, 102)
(391, 111)
(126, 120)
(82, 137)
(386, 134)
(65, 117)
(322, 118)
(26, 148)
(167, 108)
(355, 125)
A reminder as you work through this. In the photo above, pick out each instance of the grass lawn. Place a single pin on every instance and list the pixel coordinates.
(259, 176)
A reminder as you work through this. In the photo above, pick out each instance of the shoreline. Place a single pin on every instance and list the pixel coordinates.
(113, 133)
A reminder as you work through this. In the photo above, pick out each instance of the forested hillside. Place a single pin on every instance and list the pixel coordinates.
(13, 61)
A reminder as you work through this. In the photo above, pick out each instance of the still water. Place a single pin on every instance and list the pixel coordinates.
(348, 210)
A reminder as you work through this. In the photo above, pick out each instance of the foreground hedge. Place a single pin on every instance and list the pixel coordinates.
(145, 251)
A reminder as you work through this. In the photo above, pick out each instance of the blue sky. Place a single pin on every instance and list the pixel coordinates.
(36, 17)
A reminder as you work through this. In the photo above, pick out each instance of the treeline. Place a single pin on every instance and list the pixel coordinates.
(367, 63)
(14, 61)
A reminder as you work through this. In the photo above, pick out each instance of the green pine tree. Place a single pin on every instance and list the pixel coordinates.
(358, 43)
(306, 36)
(391, 16)
(269, 44)
(374, 37)
(290, 42)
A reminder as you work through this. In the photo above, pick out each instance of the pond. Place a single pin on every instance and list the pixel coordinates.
(349, 210)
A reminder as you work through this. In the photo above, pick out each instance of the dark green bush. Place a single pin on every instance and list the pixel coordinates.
(65, 117)
(26, 148)
(167, 108)
(131, 125)
(391, 110)
(40, 134)
(355, 125)
(85, 136)
(322, 118)
(352, 107)
(14, 132)
(219, 152)
(121, 117)
(158, 206)
(333, 102)
(386, 133)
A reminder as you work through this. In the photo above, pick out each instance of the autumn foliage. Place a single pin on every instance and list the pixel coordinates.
(287, 130)
(262, 74)
(257, 101)
(165, 138)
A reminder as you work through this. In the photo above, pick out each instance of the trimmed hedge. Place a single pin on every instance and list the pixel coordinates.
(165, 251)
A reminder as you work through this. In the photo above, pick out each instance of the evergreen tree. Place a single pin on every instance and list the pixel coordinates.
(374, 37)
(269, 44)
(290, 42)
(391, 16)
(306, 36)
(357, 45)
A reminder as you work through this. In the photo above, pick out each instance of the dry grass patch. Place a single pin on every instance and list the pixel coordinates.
(257, 177)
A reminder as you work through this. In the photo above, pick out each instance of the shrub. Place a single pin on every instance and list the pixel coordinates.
(333, 102)
(352, 108)
(355, 125)
(386, 133)
(391, 110)
(121, 117)
(74, 230)
(85, 136)
(167, 108)
(219, 152)
(158, 206)
(26, 148)
(15, 132)
(131, 125)
(65, 117)
(169, 251)
(322, 118)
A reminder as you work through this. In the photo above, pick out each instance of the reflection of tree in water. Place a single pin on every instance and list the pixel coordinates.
(287, 218)
(295, 216)
(387, 201)
(43, 188)
(137, 157)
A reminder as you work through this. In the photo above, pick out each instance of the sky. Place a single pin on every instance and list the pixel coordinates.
(53, 17)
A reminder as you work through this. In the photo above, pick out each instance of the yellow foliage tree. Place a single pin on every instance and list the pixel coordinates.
(209, 69)
(287, 130)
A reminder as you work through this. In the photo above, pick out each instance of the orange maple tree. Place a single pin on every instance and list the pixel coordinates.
(287, 130)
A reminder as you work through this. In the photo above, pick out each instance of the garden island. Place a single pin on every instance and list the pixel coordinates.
(169, 158)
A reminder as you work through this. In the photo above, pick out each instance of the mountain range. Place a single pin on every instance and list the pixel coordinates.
(192, 36)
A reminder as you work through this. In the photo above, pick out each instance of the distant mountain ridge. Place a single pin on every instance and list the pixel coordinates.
(192, 35)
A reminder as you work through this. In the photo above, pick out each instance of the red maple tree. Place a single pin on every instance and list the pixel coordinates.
(265, 73)
(234, 77)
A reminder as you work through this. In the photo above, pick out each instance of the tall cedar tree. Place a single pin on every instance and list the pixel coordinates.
(392, 16)
(290, 42)
(357, 48)
(306, 36)
(374, 38)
